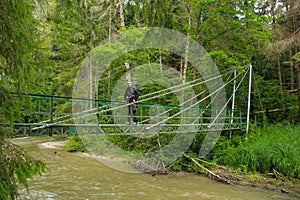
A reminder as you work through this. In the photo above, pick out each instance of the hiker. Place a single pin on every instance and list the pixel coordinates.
(131, 96)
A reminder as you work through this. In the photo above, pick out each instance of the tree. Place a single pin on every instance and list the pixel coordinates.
(77, 27)
(19, 54)
(285, 44)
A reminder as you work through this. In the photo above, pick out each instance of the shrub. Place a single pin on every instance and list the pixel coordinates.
(75, 145)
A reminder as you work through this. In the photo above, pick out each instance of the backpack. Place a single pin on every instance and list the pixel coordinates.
(136, 93)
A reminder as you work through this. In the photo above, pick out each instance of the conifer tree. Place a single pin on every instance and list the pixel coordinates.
(18, 56)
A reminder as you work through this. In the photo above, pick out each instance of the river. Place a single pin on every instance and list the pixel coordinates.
(71, 176)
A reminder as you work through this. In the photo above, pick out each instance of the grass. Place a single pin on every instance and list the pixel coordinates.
(266, 149)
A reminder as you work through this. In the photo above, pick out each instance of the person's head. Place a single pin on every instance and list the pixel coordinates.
(129, 83)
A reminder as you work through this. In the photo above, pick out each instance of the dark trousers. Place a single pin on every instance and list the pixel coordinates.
(132, 107)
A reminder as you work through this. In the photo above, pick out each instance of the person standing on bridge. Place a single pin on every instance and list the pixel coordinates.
(131, 96)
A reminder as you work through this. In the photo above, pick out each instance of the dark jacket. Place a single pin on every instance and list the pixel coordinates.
(131, 94)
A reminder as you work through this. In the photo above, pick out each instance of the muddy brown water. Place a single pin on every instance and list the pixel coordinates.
(71, 176)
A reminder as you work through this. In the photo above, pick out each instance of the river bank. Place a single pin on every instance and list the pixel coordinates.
(271, 181)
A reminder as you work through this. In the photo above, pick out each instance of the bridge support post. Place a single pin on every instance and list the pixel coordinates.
(233, 101)
(51, 116)
(249, 98)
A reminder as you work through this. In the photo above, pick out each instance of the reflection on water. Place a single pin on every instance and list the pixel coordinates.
(71, 176)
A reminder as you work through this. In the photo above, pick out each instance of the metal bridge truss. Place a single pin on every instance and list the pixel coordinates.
(120, 129)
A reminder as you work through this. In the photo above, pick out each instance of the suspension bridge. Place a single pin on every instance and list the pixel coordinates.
(49, 114)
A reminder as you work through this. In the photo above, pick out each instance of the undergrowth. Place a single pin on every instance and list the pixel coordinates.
(75, 145)
(264, 150)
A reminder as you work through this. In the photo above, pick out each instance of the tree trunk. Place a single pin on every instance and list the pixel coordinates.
(298, 73)
(292, 70)
(273, 7)
(109, 24)
(160, 63)
(91, 71)
(91, 80)
(186, 54)
(127, 74)
(181, 67)
(92, 33)
(280, 77)
(122, 22)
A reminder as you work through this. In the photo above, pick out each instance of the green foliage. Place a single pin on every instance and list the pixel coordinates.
(274, 147)
(297, 56)
(125, 142)
(75, 145)
(139, 144)
(183, 165)
(264, 150)
(77, 27)
(20, 53)
(15, 168)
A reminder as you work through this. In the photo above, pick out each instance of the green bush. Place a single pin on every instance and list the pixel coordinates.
(75, 145)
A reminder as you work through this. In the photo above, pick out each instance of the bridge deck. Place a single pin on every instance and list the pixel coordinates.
(71, 129)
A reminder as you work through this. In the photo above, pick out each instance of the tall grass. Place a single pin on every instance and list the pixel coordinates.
(274, 147)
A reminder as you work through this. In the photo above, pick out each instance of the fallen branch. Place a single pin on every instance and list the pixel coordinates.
(210, 163)
(279, 176)
(210, 173)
